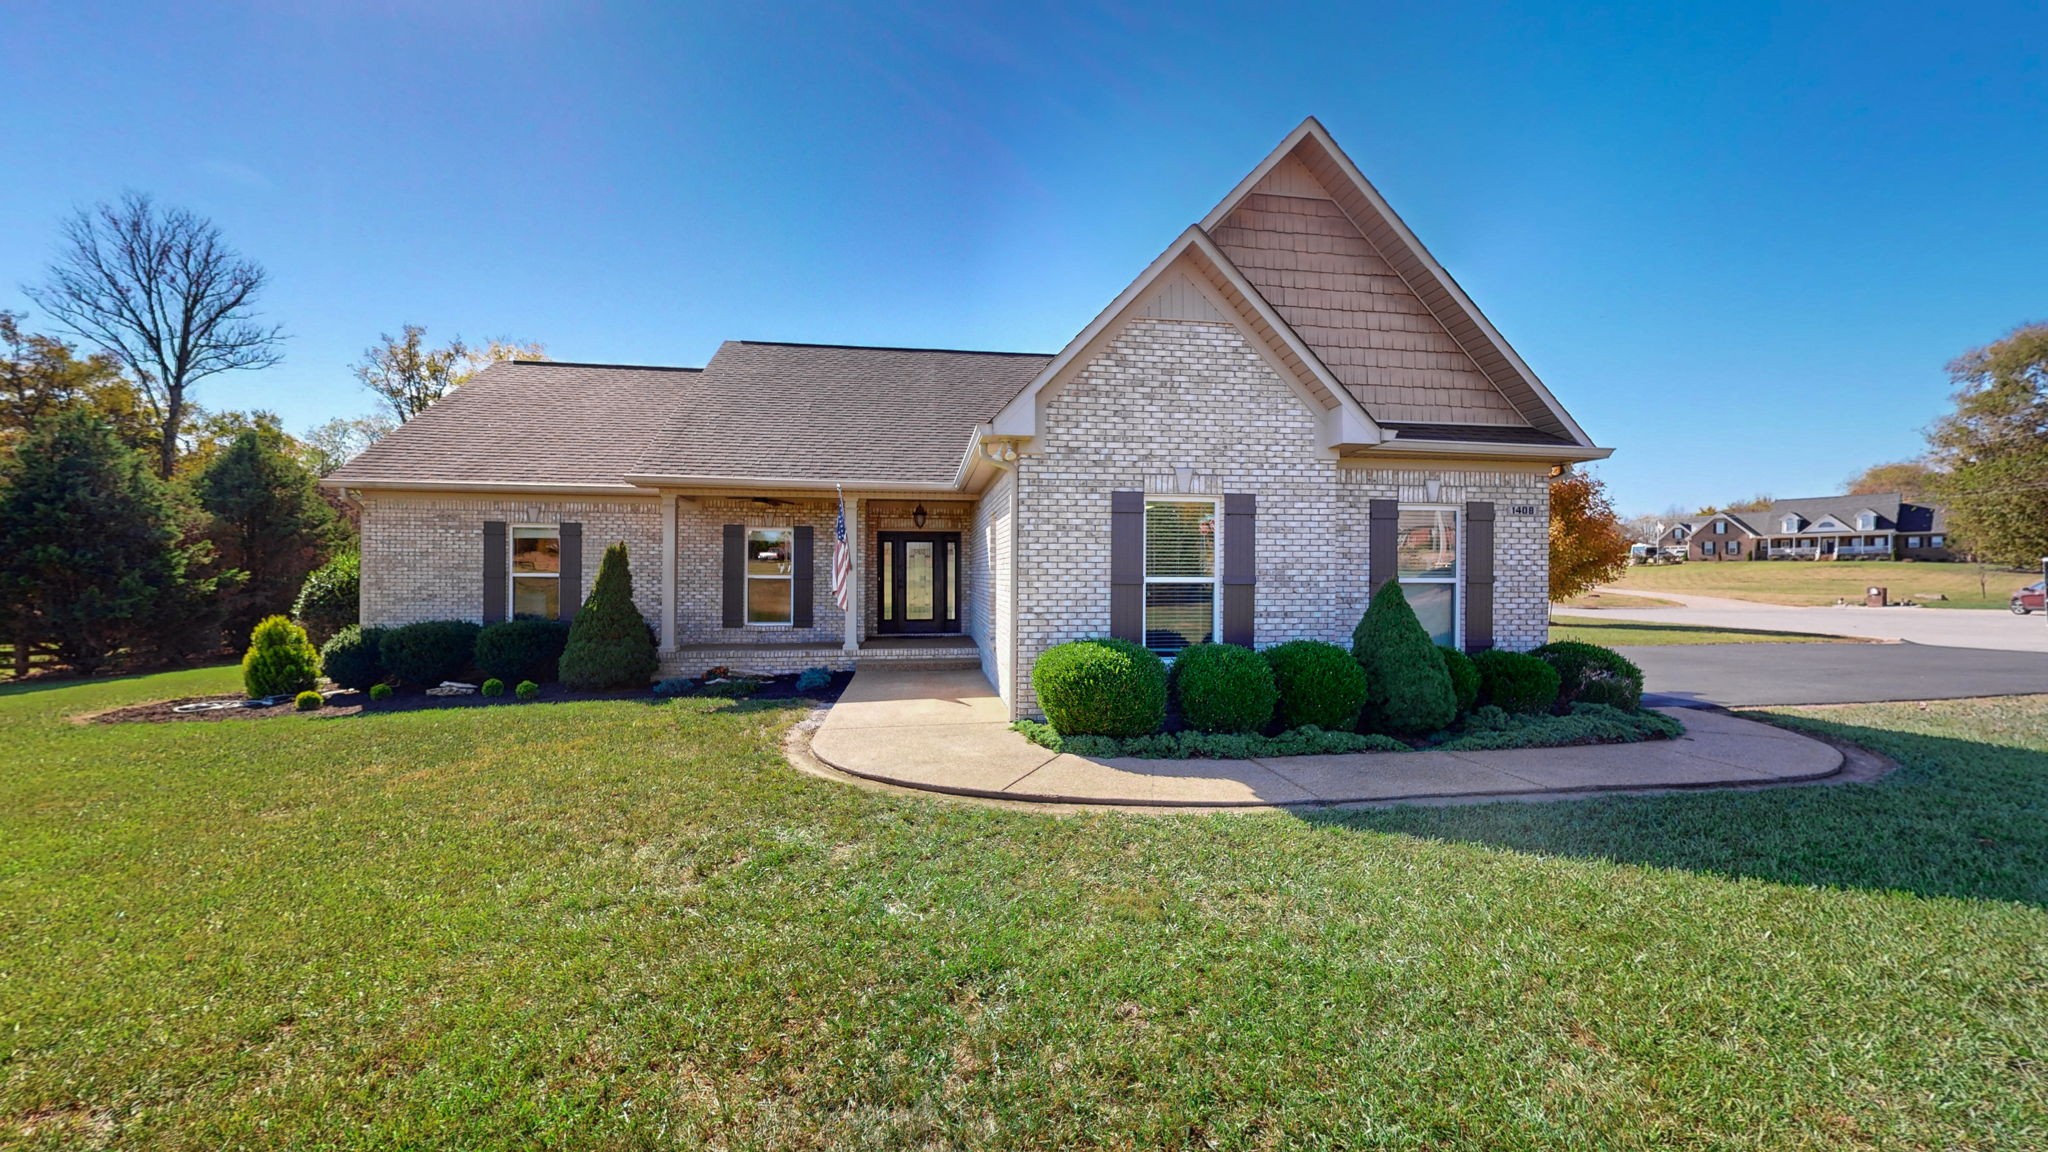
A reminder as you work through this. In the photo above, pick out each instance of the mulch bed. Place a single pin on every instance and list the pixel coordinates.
(410, 700)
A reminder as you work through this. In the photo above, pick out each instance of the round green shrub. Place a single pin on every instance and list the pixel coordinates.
(1319, 684)
(327, 600)
(1408, 690)
(493, 687)
(280, 660)
(1464, 678)
(1516, 681)
(527, 690)
(424, 654)
(1580, 665)
(1223, 688)
(380, 691)
(610, 644)
(1101, 688)
(351, 657)
(522, 649)
(308, 701)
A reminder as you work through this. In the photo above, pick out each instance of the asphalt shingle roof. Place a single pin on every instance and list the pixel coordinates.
(827, 412)
(528, 423)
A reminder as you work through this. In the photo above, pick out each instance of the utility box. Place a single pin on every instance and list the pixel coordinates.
(1874, 597)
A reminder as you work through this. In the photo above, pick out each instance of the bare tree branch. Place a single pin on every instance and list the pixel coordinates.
(161, 292)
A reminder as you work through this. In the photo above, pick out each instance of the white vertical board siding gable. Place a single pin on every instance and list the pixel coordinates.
(1173, 407)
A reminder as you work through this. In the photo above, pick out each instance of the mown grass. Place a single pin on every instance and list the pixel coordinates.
(1612, 600)
(1593, 630)
(1823, 582)
(624, 925)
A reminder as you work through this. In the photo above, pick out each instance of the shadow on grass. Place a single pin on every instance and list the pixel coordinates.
(1960, 818)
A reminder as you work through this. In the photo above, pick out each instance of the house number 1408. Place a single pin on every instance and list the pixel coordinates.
(1522, 509)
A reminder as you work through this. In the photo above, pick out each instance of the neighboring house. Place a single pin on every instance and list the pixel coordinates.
(1883, 527)
(1292, 405)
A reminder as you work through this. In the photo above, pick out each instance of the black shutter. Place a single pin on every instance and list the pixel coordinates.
(569, 597)
(495, 560)
(1384, 541)
(800, 577)
(1478, 575)
(1240, 566)
(735, 576)
(1127, 566)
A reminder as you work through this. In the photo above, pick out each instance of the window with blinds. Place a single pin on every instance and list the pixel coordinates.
(1180, 574)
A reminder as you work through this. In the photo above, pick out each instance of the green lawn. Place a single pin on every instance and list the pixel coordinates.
(1611, 632)
(1824, 582)
(626, 925)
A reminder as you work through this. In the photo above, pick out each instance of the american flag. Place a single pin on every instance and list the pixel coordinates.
(842, 557)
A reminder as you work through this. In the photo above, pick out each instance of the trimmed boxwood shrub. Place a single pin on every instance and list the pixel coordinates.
(327, 600)
(1319, 684)
(308, 701)
(351, 658)
(493, 687)
(1581, 665)
(1101, 687)
(424, 654)
(521, 649)
(1223, 688)
(610, 645)
(280, 660)
(1516, 681)
(527, 690)
(1408, 691)
(380, 691)
(1464, 678)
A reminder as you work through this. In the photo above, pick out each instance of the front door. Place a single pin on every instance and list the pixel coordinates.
(919, 574)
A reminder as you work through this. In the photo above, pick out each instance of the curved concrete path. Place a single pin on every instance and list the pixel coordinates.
(945, 731)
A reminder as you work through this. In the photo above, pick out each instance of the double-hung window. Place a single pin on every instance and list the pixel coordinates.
(536, 572)
(1707, 548)
(770, 564)
(1181, 604)
(1426, 564)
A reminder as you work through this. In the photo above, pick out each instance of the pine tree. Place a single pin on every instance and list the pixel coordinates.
(90, 555)
(1408, 689)
(609, 644)
(265, 517)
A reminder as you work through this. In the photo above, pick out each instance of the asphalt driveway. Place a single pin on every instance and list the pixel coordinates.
(1736, 675)
(1946, 627)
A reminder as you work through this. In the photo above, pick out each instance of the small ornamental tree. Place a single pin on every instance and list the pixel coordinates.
(1588, 545)
(609, 643)
(1408, 690)
(280, 660)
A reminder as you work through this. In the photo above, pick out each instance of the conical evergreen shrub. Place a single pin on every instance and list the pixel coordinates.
(609, 644)
(1408, 689)
(280, 660)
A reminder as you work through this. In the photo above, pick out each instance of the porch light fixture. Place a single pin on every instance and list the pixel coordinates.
(917, 516)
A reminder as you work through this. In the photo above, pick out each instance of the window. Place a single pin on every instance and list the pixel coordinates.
(1735, 547)
(1706, 547)
(1426, 564)
(1180, 574)
(536, 572)
(1912, 541)
(770, 552)
(1790, 524)
(1678, 533)
(1865, 521)
(1935, 541)
(1720, 527)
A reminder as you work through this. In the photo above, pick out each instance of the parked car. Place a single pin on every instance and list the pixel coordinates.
(2028, 599)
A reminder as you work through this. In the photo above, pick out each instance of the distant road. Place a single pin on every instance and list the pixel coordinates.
(1737, 675)
(1941, 627)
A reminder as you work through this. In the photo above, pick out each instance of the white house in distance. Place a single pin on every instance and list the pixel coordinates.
(1293, 404)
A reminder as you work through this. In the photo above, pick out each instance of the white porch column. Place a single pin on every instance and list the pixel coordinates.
(854, 581)
(668, 572)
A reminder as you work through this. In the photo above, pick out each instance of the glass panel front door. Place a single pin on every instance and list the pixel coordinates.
(920, 578)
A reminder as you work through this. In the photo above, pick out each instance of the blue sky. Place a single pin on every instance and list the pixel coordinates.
(1739, 242)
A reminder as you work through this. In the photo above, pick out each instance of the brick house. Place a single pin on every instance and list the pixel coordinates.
(1293, 404)
(1859, 527)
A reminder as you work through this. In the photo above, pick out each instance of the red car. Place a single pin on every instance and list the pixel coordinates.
(2027, 599)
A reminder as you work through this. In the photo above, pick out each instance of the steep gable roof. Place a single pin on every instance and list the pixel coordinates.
(1334, 259)
(527, 424)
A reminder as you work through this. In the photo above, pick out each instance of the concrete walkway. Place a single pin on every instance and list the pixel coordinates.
(1942, 627)
(946, 731)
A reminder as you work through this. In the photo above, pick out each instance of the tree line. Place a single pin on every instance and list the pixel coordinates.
(136, 526)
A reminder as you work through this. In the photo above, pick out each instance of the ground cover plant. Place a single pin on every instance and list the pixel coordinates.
(1626, 632)
(1824, 582)
(622, 924)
